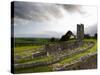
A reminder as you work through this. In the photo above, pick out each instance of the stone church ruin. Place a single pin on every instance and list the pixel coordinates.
(63, 48)
(54, 49)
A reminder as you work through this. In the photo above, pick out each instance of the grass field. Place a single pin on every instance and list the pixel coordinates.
(35, 60)
(31, 41)
(27, 50)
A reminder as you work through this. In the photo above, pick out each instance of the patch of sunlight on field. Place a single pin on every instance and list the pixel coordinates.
(23, 48)
(24, 51)
(77, 56)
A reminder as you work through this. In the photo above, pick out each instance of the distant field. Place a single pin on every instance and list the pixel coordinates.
(31, 41)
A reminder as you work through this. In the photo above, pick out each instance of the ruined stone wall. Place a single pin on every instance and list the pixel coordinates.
(89, 62)
(39, 54)
(60, 47)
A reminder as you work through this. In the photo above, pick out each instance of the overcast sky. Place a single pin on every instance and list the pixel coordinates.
(52, 20)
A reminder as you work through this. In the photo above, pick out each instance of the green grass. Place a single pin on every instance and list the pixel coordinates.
(67, 60)
(38, 59)
(34, 69)
(26, 50)
(30, 41)
(23, 51)
(23, 48)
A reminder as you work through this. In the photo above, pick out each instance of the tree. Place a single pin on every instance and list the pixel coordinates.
(87, 36)
(52, 39)
(67, 36)
(95, 36)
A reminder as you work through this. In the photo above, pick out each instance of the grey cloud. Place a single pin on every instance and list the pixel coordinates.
(74, 8)
(36, 11)
(91, 30)
(42, 11)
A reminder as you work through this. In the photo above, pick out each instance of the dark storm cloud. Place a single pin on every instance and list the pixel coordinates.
(36, 11)
(41, 11)
(73, 8)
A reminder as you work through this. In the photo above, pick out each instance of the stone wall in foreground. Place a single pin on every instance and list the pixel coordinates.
(89, 63)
